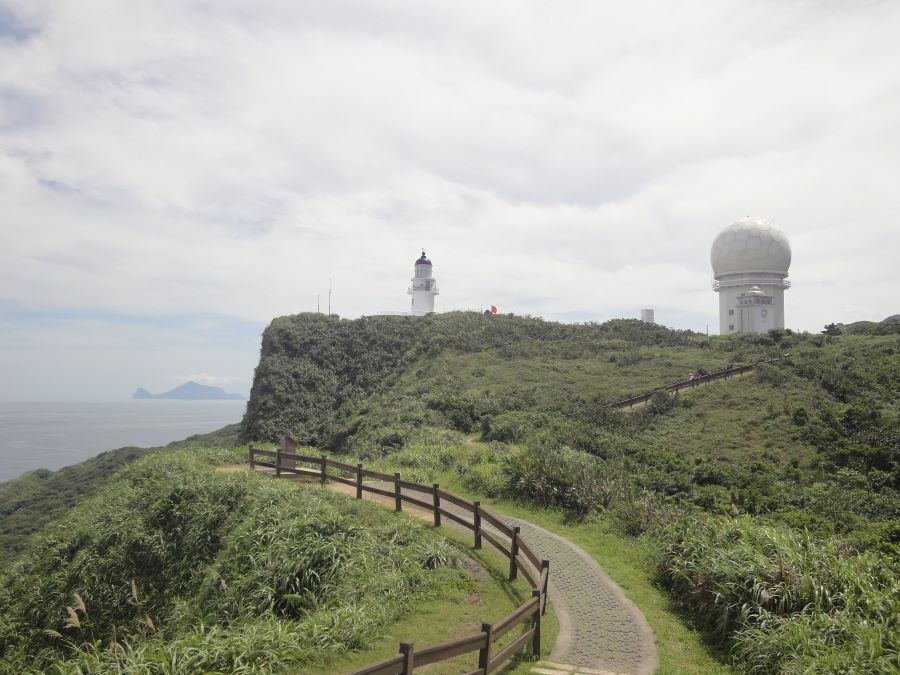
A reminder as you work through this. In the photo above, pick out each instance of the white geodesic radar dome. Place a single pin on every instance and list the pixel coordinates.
(750, 245)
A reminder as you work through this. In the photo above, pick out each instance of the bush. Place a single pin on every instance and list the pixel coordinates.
(175, 563)
(484, 471)
(788, 602)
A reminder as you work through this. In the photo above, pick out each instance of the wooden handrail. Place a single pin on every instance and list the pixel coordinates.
(377, 475)
(447, 650)
(340, 465)
(501, 527)
(525, 549)
(406, 485)
(514, 618)
(725, 373)
(520, 555)
(459, 501)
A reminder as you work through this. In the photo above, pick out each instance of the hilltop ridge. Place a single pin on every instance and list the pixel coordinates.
(777, 492)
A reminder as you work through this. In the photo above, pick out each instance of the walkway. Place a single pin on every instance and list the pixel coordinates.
(600, 630)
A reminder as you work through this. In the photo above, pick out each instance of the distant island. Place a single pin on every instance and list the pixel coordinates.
(191, 391)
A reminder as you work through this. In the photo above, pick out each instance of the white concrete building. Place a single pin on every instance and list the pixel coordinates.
(423, 287)
(750, 260)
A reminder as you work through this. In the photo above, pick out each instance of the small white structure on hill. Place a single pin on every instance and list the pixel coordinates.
(423, 287)
(647, 316)
(750, 260)
(754, 311)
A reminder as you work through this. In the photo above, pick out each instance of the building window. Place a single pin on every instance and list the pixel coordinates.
(730, 312)
(731, 326)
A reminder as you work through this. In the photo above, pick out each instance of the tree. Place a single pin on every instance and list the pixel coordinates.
(832, 329)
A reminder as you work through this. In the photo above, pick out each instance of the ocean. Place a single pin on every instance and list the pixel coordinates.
(54, 435)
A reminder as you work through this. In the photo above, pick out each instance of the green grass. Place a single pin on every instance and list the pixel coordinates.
(630, 563)
(36, 498)
(737, 423)
(456, 615)
(39, 497)
(215, 570)
(547, 380)
(788, 600)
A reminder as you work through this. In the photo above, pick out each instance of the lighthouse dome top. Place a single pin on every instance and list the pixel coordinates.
(423, 260)
(750, 245)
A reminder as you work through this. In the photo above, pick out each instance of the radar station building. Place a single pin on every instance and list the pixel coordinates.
(750, 260)
(423, 287)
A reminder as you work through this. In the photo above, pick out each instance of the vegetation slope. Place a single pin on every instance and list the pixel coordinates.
(176, 568)
(32, 500)
(36, 498)
(771, 502)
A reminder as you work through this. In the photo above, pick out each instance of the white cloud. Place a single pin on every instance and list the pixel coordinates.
(165, 159)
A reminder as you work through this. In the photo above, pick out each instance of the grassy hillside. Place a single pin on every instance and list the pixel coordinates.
(33, 500)
(773, 443)
(175, 567)
(805, 447)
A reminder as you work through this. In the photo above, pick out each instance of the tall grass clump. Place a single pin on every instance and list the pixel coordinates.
(178, 568)
(786, 601)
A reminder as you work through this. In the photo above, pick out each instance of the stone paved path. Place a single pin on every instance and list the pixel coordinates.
(600, 628)
(600, 631)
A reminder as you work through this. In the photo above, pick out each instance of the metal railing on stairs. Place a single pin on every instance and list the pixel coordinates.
(690, 383)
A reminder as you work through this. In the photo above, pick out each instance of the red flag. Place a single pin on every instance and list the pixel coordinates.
(493, 309)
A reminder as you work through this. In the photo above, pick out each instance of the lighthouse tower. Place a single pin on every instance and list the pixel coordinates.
(423, 288)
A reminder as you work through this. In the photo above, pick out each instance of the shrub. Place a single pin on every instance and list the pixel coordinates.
(175, 563)
(790, 603)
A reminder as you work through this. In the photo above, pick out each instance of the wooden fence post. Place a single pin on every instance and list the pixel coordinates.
(398, 504)
(545, 565)
(437, 504)
(477, 524)
(484, 654)
(359, 481)
(406, 648)
(252, 457)
(536, 624)
(513, 554)
(324, 469)
(278, 461)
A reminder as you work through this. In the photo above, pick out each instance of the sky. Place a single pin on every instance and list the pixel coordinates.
(175, 174)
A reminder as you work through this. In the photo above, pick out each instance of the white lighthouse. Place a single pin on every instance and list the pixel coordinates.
(423, 287)
(750, 260)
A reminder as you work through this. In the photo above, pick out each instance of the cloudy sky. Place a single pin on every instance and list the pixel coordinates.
(174, 174)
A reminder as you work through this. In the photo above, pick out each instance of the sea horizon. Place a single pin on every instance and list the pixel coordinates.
(54, 434)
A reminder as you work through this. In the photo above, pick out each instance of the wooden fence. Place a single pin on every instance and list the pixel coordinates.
(483, 524)
(723, 374)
